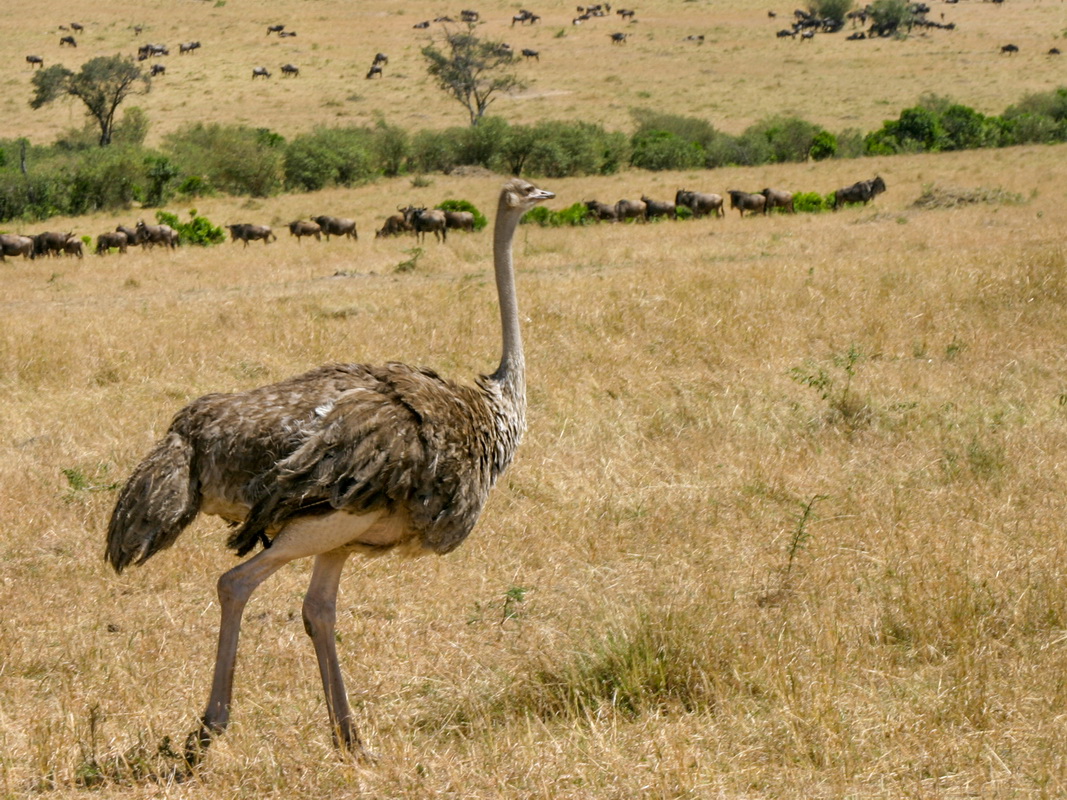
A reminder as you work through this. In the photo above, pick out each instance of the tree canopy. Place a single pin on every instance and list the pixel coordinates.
(471, 69)
(102, 84)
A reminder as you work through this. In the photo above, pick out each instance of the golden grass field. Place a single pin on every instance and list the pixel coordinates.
(700, 578)
(741, 73)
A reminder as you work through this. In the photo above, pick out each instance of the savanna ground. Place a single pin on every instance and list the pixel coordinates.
(787, 521)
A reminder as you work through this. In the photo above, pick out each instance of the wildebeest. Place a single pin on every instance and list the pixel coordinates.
(112, 239)
(157, 69)
(1010, 49)
(275, 29)
(374, 70)
(618, 38)
(133, 235)
(77, 26)
(700, 203)
(626, 13)
(146, 50)
(424, 221)
(859, 192)
(302, 228)
(602, 211)
(460, 220)
(34, 61)
(381, 59)
(188, 47)
(744, 201)
(394, 225)
(247, 232)
(151, 235)
(786, 33)
(421, 25)
(68, 40)
(49, 242)
(11, 244)
(658, 208)
(260, 72)
(74, 247)
(286, 34)
(337, 226)
(528, 53)
(469, 16)
(630, 209)
(1053, 51)
(777, 198)
(290, 70)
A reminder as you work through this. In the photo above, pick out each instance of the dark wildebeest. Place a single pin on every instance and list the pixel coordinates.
(260, 72)
(421, 25)
(860, 192)
(133, 235)
(658, 208)
(626, 13)
(618, 38)
(460, 220)
(74, 247)
(106, 241)
(394, 225)
(1010, 49)
(34, 61)
(1054, 51)
(631, 209)
(469, 16)
(786, 33)
(286, 34)
(374, 70)
(77, 27)
(528, 53)
(778, 199)
(11, 244)
(602, 211)
(67, 40)
(290, 70)
(246, 233)
(188, 47)
(743, 201)
(337, 226)
(157, 69)
(302, 228)
(45, 244)
(700, 203)
(381, 59)
(424, 221)
(151, 235)
(275, 29)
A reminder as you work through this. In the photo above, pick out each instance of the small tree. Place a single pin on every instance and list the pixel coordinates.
(888, 16)
(472, 70)
(102, 84)
(831, 9)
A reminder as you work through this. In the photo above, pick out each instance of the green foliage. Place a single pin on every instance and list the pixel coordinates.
(575, 148)
(812, 202)
(229, 158)
(462, 205)
(473, 70)
(391, 148)
(831, 9)
(329, 157)
(823, 146)
(889, 16)
(161, 173)
(835, 386)
(781, 139)
(198, 230)
(662, 150)
(577, 214)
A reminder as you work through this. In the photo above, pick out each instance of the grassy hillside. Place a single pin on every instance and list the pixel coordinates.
(740, 74)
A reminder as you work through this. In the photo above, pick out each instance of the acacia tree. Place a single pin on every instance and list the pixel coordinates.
(472, 70)
(102, 84)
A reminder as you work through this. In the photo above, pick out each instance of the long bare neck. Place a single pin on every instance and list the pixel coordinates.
(511, 371)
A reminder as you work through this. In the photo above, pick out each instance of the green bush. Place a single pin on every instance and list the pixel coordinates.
(435, 151)
(234, 159)
(662, 150)
(198, 230)
(330, 157)
(560, 149)
(577, 214)
(813, 202)
(462, 205)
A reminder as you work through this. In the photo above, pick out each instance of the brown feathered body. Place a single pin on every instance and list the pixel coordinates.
(346, 437)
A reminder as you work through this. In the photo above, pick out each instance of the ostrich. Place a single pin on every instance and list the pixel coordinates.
(344, 458)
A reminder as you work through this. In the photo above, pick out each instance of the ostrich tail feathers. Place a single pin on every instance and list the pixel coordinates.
(158, 501)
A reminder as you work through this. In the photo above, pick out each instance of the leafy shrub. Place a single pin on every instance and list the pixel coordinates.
(234, 159)
(813, 202)
(198, 230)
(823, 146)
(435, 151)
(831, 9)
(462, 205)
(661, 150)
(329, 157)
(577, 214)
(575, 148)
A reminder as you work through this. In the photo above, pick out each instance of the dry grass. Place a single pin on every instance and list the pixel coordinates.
(741, 74)
(702, 577)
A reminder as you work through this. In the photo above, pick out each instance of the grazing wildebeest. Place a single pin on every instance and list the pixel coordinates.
(626, 13)
(146, 50)
(74, 247)
(188, 47)
(374, 70)
(337, 226)
(133, 235)
(11, 244)
(286, 34)
(77, 26)
(786, 33)
(49, 242)
(260, 72)
(602, 211)
(528, 53)
(302, 228)
(777, 198)
(859, 192)
(246, 233)
(700, 203)
(1010, 49)
(695, 37)
(469, 16)
(290, 70)
(743, 201)
(151, 235)
(658, 208)
(381, 59)
(630, 209)
(275, 29)
(618, 38)
(460, 220)
(157, 69)
(106, 241)
(68, 40)
(422, 25)
(1054, 51)
(424, 221)
(394, 225)
(34, 61)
